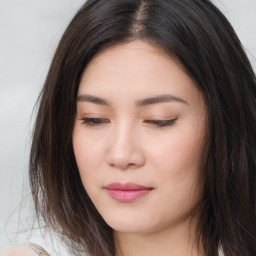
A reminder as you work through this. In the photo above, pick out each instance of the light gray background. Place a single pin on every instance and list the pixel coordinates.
(29, 33)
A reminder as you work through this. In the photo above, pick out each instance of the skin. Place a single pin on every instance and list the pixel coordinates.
(19, 250)
(126, 146)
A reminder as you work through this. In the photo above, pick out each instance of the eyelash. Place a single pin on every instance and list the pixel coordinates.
(100, 121)
(161, 123)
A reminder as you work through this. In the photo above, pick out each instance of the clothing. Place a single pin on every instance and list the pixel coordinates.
(38, 249)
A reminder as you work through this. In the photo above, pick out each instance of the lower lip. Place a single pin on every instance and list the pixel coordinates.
(127, 195)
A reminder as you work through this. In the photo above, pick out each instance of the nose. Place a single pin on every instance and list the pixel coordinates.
(125, 150)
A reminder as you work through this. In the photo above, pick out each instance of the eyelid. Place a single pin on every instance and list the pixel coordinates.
(161, 123)
(94, 121)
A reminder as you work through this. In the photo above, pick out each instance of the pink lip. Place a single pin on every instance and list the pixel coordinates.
(126, 192)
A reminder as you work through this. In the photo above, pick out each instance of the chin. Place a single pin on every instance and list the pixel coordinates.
(134, 228)
(133, 225)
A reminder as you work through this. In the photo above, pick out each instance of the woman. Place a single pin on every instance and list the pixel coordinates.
(144, 142)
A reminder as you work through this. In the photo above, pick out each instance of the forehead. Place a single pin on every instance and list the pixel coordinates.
(135, 68)
(138, 54)
(142, 47)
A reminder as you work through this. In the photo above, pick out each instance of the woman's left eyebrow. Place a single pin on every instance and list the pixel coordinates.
(160, 99)
(147, 101)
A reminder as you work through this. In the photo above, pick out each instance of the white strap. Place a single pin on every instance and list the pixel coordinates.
(38, 249)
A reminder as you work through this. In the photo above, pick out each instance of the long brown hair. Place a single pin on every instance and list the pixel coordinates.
(200, 37)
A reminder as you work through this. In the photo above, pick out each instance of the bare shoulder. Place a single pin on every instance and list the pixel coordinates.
(19, 250)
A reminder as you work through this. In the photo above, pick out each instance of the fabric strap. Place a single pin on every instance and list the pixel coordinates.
(38, 249)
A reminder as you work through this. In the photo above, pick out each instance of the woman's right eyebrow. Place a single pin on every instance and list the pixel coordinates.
(93, 99)
(140, 103)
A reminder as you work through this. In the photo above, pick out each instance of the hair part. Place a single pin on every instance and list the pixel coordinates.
(139, 17)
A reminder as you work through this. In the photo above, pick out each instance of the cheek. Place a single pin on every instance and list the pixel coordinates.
(177, 165)
(88, 154)
(179, 153)
(89, 158)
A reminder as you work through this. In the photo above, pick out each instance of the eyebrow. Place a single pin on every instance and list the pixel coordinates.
(159, 99)
(147, 101)
(93, 99)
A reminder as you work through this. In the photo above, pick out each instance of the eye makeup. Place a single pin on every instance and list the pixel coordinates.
(90, 121)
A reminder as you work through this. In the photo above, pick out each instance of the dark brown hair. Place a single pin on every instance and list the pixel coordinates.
(197, 34)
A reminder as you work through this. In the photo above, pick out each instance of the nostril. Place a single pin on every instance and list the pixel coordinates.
(123, 155)
(124, 166)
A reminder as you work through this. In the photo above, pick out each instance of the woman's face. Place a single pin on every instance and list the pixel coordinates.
(138, 138)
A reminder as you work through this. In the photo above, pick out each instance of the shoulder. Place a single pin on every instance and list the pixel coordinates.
(19, 250)
(29, 249)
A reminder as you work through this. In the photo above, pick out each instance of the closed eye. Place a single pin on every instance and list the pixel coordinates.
(161, 123)
(94, 121)
(99, 121)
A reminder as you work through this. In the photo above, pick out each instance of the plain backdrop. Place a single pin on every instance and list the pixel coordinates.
(29, 33)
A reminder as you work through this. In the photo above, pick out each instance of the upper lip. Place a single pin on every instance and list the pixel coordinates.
(126, 186)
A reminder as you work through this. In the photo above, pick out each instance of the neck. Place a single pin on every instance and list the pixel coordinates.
(179, 240)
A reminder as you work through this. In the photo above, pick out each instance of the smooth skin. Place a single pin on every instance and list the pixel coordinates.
(18, 250)
(142, 119)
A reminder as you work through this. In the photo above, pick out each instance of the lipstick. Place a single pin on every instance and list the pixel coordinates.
(127, 192)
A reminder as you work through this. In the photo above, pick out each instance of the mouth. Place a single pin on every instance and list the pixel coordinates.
(127, 192)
